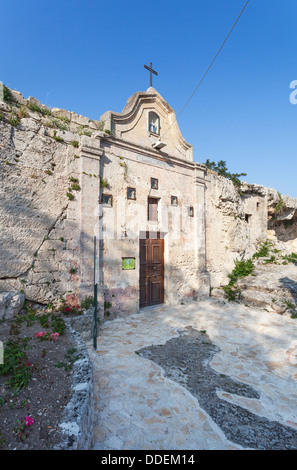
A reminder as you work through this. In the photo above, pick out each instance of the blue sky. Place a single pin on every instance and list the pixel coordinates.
(88, 57)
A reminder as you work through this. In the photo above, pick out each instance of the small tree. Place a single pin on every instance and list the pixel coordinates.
(222, 170)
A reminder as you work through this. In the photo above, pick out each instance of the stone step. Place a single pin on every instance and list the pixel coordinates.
(276, 301)
(268, 300)
(278, 291)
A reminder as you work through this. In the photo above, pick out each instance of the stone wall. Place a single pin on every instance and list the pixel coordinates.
(41, 161)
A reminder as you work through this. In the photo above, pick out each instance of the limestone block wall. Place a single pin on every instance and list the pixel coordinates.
(41, 162)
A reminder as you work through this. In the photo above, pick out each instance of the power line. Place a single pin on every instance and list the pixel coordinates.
(224, 42)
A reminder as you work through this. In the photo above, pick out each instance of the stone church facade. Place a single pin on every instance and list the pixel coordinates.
(118, 201)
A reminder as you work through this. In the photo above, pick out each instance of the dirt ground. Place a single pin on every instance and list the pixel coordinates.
(30, 414)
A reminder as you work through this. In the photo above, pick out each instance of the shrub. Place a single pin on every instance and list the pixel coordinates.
(263, 250)
(73, 180)
(59, 124)
(103, 183)
(57, 138)
(222, 170)
(38, 109)
(58, 325)
(15, 363)
(13, 120)
(75, 187)
(280, 204)
(7, 95)
(22, 113)
(87, 302)
(242, 268)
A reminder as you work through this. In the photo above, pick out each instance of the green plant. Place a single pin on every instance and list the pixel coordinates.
(71, 359)
(87, 302)
(44, 320)
(292, 258)
(56, 122)
(75, 187)
(290, 305)
(263, 250)
(103, 183)
(57, 138)
(7, 95)
(242, 268)
(63, 118)
(107, 131)
(22, 112)
(22, 428)
(38, 109)
(13, 120)
(73, 180)
(58, 325)
(280, 204)
(222, 170)
(70, 196)
(75, 143)
(72, 270)
(70, 309)
(100, 125)
(1, 116)
(15, 363)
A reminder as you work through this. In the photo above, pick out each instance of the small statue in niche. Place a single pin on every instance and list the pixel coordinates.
(154, 123)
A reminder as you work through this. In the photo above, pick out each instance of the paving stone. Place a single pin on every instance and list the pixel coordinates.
(168, 414)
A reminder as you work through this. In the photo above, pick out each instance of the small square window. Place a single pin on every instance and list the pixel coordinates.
(107, 200)
(174, 200)
(154, 183)
(191, 211)
(131, 193)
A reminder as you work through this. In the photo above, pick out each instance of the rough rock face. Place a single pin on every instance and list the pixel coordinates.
(10, 304)
(236, 220)
(282, 220)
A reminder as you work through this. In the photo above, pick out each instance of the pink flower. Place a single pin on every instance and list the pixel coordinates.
(29, 421)
(54, 336)
(40, 334)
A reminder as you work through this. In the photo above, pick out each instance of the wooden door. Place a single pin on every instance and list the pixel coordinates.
(151, 272)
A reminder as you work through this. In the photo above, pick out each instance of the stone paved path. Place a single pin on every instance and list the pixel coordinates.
(139, 407)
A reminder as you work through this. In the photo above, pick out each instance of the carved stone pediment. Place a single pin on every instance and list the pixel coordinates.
(138, 124)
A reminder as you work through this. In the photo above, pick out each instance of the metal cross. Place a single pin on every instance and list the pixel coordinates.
(150, 68)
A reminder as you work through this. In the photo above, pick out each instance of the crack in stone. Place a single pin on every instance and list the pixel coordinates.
(186, 359)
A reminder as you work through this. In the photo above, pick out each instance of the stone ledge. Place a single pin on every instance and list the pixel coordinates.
(78, 416)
